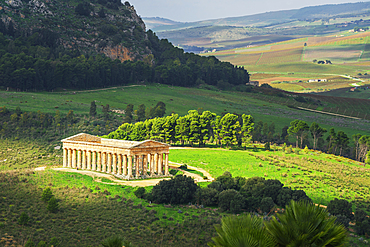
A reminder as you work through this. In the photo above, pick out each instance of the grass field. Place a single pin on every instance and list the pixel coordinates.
(322, 176)
(263, 107)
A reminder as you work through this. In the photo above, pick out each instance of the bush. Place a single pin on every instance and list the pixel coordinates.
(23, 219)
(42, 244)
(340, 207)
(267, 204)
(29, 243)
(47, 194)
(267, 146)
(140, 192)
(173, 172)
(116, 242)
(178, 190)
(289, 150)
(343, 220)
(231, 200)
(53, 205)
(207, 196)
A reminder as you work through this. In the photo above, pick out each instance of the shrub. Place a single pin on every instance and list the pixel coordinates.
(340, 207)
(306, 150)
(267, 146)
(47, 194)
(53, 205)
(289, 150)
(29, 243)
(267, 204)
(173, 172)
(140, 192)
(343, 220)
(116, 242)
(184, 166)
(42, 244)
(23, 219)
(231, 200)
(178, 190)
(207, 196)
(296, 150)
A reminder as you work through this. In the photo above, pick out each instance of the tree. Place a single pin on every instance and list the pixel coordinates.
(183, 129)
(159, 109)
(205, 121)
(141, 112)
(356, 140)
(342, 141)
(140, 192)
(207, 196)
(101, 13)
(70, 117)
(331, 140)
(304, 224)
(105, 111)
(128, 113)
(242, 231)
(297, 128)
(247, 129)
(83, 9)
(92, 109)
(229, 127)
(316, 133)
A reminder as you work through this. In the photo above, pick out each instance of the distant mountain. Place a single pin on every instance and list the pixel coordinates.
(274, 17)
(153, 22)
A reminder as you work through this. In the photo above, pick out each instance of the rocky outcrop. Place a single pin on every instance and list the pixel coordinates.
(118, 52)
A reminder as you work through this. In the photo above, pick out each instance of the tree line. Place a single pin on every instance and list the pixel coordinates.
(38, 62)
(193, 128)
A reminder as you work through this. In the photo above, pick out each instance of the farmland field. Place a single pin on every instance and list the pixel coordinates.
(348, 52)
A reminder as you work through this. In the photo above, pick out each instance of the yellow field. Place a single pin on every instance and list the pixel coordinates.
(281, 56)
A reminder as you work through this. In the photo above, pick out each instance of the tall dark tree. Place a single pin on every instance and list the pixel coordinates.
(128, 113)
(141, 112)
(92, 109)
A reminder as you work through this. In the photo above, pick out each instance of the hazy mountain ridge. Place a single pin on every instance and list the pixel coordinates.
(273, 17)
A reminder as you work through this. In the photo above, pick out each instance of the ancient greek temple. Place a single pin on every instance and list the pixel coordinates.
(124, 159)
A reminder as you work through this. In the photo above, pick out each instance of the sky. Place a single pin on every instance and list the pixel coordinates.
(197, 10)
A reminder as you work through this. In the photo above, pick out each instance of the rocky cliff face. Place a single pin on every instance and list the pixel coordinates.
(103, 26)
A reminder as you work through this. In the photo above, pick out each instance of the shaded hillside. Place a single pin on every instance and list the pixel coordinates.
(46, 45)
(102, 26)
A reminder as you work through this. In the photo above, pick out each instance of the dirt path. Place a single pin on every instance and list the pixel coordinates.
(328, 113)
(96, 90)
(97, 178)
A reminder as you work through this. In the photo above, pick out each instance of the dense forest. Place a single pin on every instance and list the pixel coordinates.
(39, 59)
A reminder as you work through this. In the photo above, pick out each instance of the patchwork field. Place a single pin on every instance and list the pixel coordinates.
(349, 54)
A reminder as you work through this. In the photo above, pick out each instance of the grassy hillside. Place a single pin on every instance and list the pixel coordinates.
(267, 106)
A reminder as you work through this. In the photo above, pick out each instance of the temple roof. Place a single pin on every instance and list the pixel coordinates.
(86, 138)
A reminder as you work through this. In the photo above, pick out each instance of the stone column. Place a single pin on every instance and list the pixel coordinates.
(145, 164)
(74, 158)
(114, 161)
(109, 165)
(88, 159)
(99, 161)
(129, 173)
(79, 159)
(155, 164)
(70, 158)
(160, 163)
(83, 159)
(125, 164)
(151, 163)
(119, 164)
(93, 163)
(137, 163)
(65, 157)
(166, 164)
(104, 162)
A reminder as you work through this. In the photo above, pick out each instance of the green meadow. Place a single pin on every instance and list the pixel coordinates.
(266, 108)
(322, 176)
